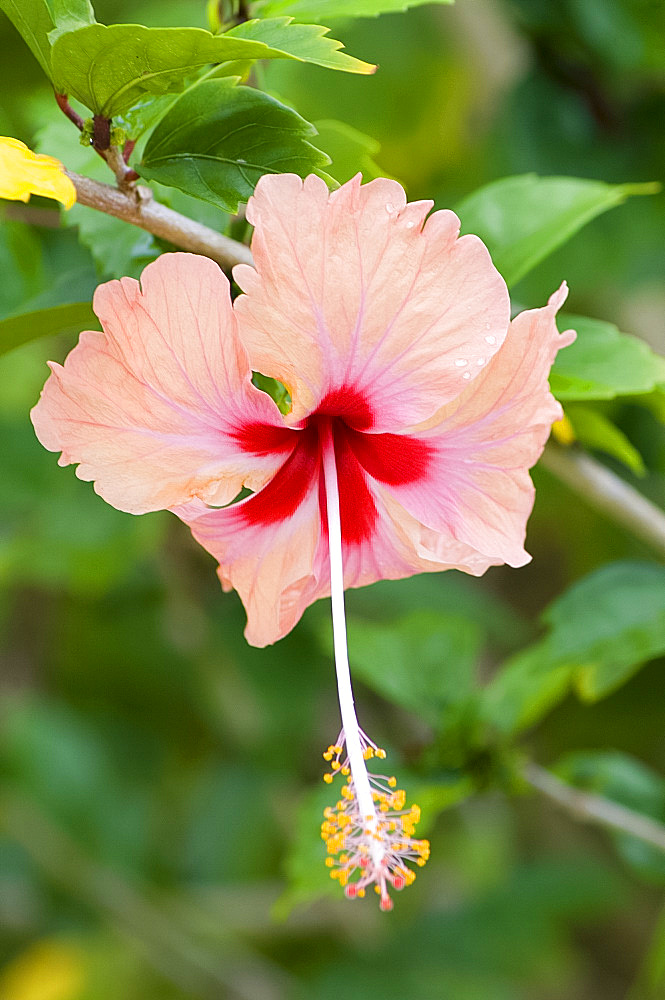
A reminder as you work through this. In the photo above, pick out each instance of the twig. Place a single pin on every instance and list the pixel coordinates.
(592, 808)
(64, 105)
(607, 492)
(141, 209)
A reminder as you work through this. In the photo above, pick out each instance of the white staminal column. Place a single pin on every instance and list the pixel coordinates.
(349, 721)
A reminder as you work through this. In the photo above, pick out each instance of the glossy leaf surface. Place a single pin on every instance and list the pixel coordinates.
(218, 139)
(523, 219)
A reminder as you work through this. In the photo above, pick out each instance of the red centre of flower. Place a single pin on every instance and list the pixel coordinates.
(393, 459)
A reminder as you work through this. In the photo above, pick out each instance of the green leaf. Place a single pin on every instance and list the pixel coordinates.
(305, 869)
(626, 780)
(425, 661)
(523, 219)
(71, 318)
(118, 248)
(594, 430)
(32, 19)
(275, 389)
(218, 139)
(109, 69)
(21, 265)
(603, 363)
(70, 15)
(314, 10)
(305, 42)
(350, 151)
(524, 690)
(601, 631)
(609, 624)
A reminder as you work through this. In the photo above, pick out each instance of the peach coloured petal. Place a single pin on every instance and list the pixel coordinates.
(279, 569)
(356, 288)
(478, 488)
(152, 408)
(460, 501)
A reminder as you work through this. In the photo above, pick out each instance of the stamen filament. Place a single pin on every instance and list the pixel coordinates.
(350, 725)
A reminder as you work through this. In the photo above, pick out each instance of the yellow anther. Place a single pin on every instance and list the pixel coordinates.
(368, 753)
(327, 777)
(397, 799)
(346, 792)
(346, 770)
(335, 765)
(330, 862)
(361, 893)
(377, 890)
(327, 755)
(392, 781)
(381, 754)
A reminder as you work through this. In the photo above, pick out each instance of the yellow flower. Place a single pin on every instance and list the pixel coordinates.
(23, 173)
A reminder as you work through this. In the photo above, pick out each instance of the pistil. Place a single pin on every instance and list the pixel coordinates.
(351, 729)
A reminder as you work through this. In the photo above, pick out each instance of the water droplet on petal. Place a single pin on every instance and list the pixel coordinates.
(461, 363)
(466, 375)
(490, 340)
(390, 208)
(410, 225)
(480, 362)
(488, 326)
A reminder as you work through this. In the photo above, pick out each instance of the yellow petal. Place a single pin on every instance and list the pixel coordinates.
(23, 173)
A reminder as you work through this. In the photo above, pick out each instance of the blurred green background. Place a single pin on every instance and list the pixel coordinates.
(160, 780)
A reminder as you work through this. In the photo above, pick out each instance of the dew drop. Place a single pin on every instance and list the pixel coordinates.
(480, 362)
(410, 225)
(490, 340)
(466, 375)
(390, 208)
(461, 363)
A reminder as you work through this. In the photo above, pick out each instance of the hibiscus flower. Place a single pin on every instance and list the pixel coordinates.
(417, 409)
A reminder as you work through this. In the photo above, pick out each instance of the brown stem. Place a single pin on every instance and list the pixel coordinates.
(101, 133)
(124, 175)
(138, 206)
(592, 808)
(603, 489)
(64, 105)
